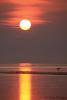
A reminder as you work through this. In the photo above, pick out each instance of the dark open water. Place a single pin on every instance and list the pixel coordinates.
(33, 86)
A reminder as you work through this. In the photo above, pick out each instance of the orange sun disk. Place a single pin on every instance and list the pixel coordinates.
(25, 24)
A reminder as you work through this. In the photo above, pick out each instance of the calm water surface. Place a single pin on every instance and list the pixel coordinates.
(33, 86)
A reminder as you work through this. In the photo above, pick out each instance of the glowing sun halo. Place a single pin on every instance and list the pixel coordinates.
(25, 24)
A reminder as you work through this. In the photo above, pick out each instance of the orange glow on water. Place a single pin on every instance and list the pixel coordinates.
(25, 84)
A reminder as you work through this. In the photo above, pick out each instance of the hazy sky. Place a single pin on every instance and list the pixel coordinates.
(45, 42)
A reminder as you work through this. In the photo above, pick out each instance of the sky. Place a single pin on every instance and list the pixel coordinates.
(45, 42)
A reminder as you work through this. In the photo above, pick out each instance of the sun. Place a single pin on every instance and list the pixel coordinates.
(25, 24)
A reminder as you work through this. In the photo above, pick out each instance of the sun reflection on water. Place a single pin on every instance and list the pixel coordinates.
(25, 84)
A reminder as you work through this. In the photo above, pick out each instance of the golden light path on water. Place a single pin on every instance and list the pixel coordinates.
(25, 84)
